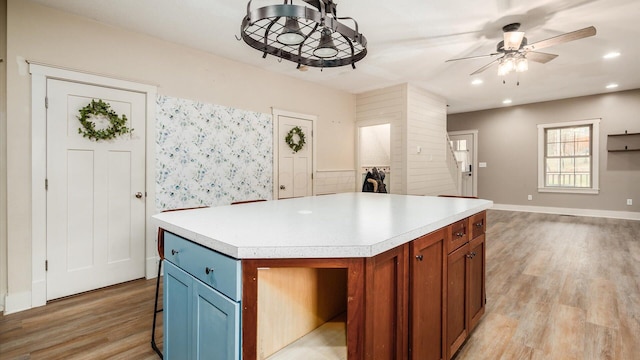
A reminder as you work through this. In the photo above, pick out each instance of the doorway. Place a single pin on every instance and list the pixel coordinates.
(95, 191)
(294, 154)
(374, 151)
(40, 76)
(465, 147)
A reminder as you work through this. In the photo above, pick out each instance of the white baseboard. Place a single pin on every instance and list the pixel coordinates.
(17, 302)
(627, 215)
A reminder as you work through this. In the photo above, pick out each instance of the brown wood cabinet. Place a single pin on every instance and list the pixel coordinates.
(465, 283)
(426, 321)
(385, 305)
(417, 301)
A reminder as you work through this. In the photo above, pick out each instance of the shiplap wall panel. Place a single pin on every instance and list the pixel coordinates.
(427, 172)
(417, 118)
(388, 105)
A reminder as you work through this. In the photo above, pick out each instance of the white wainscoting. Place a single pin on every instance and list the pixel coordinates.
(334, 181)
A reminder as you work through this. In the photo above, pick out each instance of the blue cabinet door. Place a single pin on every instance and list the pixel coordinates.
(216, 325)
(178, 312)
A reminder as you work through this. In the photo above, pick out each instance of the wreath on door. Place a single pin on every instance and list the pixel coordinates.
(117, 124)
(289, 139)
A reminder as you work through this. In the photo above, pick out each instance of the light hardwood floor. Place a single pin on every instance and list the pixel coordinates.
(558, 287)
(110, 323)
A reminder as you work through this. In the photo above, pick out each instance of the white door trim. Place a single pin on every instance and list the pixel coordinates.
(474, 133)
(39, 76)
(276, 148)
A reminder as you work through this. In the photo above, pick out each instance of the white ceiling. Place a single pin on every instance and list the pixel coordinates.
(409, 41)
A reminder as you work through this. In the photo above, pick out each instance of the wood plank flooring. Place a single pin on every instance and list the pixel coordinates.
(110, 323)
(558, 287)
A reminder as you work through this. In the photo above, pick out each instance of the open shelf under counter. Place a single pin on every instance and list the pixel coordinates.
(302, 311)
(329, 341)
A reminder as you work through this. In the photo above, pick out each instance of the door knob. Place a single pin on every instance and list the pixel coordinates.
(282, 187)
(139, 195)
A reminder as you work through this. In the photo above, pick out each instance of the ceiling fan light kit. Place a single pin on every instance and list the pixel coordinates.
(309, 34)
(515, 52)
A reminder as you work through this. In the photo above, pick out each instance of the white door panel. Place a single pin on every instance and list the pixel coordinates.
(294, 169)
(301, 178)
(285, 176)
(95, 223)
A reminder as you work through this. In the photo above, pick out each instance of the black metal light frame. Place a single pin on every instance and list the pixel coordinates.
(261, 27)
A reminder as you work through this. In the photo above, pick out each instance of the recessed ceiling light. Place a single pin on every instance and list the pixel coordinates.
(612, 86)
(612, 55)
(477, 82)
(507, 101)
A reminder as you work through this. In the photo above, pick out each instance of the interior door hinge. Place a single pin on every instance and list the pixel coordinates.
(46, 184)
(46, 102)
(311, 176)
(46, 265)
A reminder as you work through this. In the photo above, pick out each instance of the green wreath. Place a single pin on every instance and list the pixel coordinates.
(95, 108)
(295, 146)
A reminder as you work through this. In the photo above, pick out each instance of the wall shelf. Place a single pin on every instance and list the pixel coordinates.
(623, 142)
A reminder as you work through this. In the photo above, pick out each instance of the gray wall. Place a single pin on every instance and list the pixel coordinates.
(508, 144)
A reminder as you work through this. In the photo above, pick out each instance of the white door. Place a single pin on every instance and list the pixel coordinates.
(463, 148)
(295, 169)
(95, 196)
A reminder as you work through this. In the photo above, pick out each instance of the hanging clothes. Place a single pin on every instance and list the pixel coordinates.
(374, 182)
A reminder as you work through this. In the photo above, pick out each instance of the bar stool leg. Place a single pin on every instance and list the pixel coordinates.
(155, 313)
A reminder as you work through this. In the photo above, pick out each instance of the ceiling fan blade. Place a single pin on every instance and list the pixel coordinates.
(474, 57)
(513, 39)
(485, 67)
(561, 39)
(540, 57)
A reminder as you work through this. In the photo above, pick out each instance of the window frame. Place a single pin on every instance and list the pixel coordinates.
(595, 152)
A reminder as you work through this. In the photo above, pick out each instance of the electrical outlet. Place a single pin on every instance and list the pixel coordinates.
(629, 201)
(529, 197)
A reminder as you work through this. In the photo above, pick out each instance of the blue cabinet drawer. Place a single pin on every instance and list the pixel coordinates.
(212, 268)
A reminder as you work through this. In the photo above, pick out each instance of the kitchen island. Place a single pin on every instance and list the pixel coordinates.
(403, 274)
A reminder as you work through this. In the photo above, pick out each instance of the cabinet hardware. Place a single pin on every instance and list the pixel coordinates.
(419, 257)
(173, 252)
(479, 224)
(460, 234)
(208, 270)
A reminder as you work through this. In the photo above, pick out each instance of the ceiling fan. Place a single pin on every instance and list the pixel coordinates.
(515, 52)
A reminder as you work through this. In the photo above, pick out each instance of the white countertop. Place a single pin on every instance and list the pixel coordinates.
(330, 226)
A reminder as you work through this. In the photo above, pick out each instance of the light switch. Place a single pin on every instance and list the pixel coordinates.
(482, 164)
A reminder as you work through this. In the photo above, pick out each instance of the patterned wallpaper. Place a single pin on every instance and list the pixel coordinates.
(211, 155)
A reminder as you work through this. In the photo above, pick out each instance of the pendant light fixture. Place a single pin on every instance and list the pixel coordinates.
(310, 34)
(326, 49)
(291, 34)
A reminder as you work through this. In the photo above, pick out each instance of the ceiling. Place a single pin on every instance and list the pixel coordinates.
(409, 41)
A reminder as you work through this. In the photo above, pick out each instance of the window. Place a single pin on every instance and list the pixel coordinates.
(568, 157)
